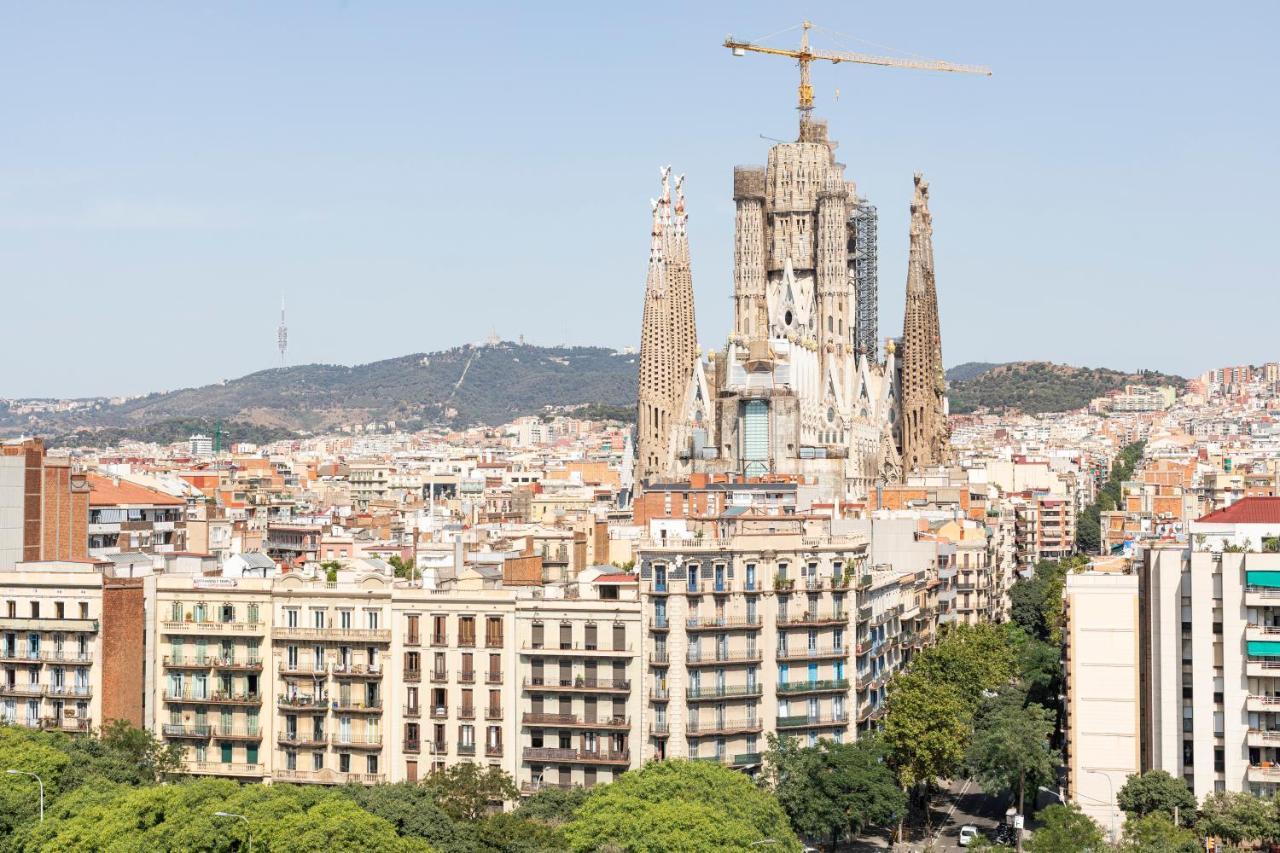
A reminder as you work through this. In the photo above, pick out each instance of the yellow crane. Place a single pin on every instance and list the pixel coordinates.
(806, 54)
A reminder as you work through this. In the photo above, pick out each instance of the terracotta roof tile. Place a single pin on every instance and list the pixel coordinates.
(1255, 510)
(105, 491)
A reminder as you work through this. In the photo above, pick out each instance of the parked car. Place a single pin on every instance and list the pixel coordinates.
(968, 834)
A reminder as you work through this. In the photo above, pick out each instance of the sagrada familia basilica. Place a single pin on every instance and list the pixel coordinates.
(800, 388)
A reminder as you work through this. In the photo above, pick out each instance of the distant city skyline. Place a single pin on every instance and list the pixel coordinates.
(412, 177)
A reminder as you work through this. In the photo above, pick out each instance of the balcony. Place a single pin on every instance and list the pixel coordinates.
(248, 735)
(439, 676)
(493, 678)
(1261, 633)
(302, 738)
(1262, 667)
(572, 721)
(71, 725)
(413, 747)
(831, 685)
(551, 755)
(356, 671)
(814, 619)
(589, 650)
(493, 712)
(660, 624)
(69, 691)
(215, 697)
(413, 710)
(660, 728)
(328, 777)
(349, 741)
(192, 663)
(219, 768)
(493, 750)
(816, 653)
(351, 706)
(1262, 703)
(699, 728)
(1264, 773)
(302, 670)
(467, 676)
(173, 626)
(66, 626)
(694, 659)
(1263, 737)
(439, 640)
(660, 694)
(746, 759)
(299, 702)
(732, 691)
(466, 749)
(466, 712)
(175, 731)
(413, 639)
(661, 658)
(575, 685)
(723, 623)
(251, 664)
(335, 635)
(805, 721)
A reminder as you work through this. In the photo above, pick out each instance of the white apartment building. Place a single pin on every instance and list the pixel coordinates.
(1102, 679)
(1211, 652)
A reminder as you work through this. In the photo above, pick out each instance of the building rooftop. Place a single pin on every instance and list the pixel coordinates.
(106, 491)
(1247, 511)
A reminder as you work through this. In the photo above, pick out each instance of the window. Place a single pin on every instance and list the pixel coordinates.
(538, 640)
(344, 619)
(291, 617)
(371, 620)
(317, 618)
(439, 630)
(466, 630)
(493, 632)
(317, 761)
(344, 762)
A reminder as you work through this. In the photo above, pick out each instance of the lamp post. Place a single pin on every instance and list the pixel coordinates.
(247, 829)
(1111, 786)
(39, 782)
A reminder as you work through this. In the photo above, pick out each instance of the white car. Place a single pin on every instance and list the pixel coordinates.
(968, 834)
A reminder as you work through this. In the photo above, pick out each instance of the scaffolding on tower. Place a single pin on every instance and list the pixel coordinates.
(862, 257)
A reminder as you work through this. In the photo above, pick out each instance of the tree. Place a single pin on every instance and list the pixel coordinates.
(1236, 816)
(680, 805)
(926, 730)
(554, 805)
(1155, 833)
(834, 788)
(401, 567)
(1010, 749)
(1157, 791)
(1066, 829)
(31, 752)
(181, 816)
(412, 810)
(466, 791)
(155, 760)
(331, 568)
(509, 833)
(969, 658)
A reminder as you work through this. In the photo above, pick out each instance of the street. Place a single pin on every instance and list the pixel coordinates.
(960, 804)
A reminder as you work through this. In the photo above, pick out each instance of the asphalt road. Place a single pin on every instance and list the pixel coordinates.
(964, 804)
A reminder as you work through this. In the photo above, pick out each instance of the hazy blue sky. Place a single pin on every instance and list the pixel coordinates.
(410, 175)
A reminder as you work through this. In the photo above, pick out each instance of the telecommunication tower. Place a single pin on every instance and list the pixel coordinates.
(282, 334)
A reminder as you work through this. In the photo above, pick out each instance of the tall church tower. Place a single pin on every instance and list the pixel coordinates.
(924, 436)
(668, 335)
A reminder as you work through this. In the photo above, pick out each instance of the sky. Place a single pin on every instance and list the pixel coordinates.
(409, 176)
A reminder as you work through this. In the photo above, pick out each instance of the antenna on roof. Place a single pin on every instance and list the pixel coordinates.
(282, 333)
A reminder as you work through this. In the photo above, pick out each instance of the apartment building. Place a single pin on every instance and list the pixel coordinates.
(1211, 652)
(763, 628)
(1102, 664)
(579, 651)
(1044, 527)
(44, 507)
(51, 647)
(129, 517)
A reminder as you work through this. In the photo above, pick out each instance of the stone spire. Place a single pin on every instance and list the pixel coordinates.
(925, 439)
(668, 341)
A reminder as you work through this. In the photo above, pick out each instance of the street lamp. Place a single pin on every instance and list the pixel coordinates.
(39, 781)
(247, 829)
(1111, 786)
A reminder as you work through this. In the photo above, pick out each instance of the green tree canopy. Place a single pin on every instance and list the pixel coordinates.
(554, 805)
(927, 727)
(179, 817)
(680, 805)
(467, 791)
(1236, 816)
(1155, 833)
(1157, 791)
(833, 788)
(31, 752)
(1010, 749)
(412, 810)
(1066, 829)
(970, 659)
(508, 832)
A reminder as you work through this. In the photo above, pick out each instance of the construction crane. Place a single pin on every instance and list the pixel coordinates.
(806, 55)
